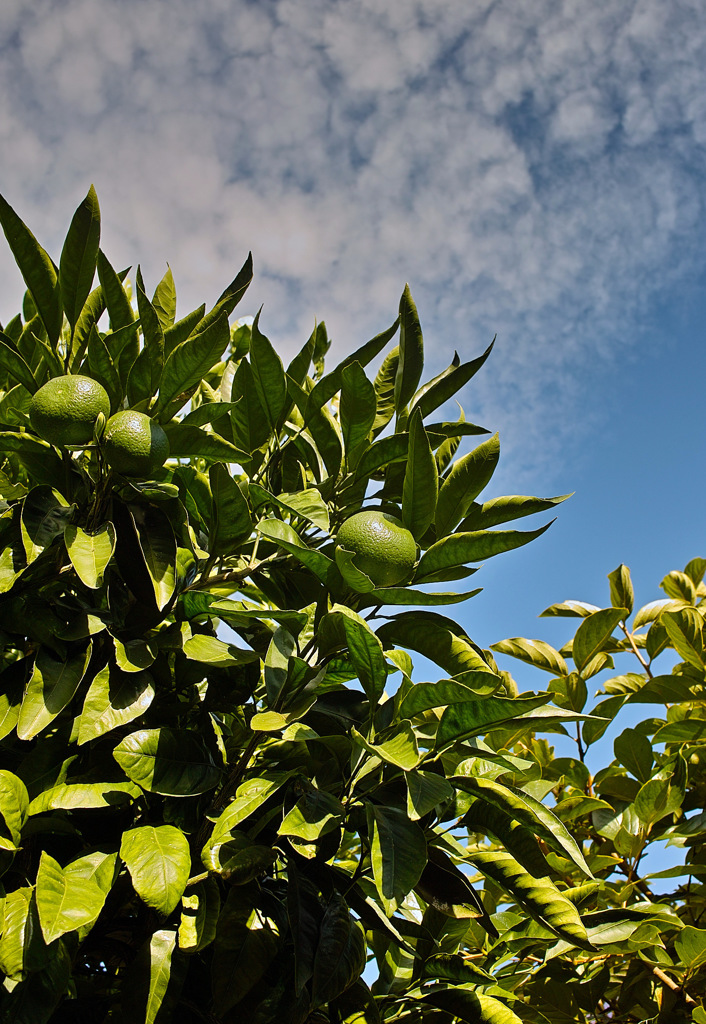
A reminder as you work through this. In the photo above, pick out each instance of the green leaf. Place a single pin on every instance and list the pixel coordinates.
(187, 441)
(313, 815)
(570, 610)
(14, 803)
(340, 953)
(422, 696)
(40, 458)
(436, 638)
(287, 538)
(384, 385)
(209, 650)
(593, 633)
(357, 411)
(382, 453)
(34, 1000)
(52, 685)
(83, 796)
(19, 921)
(14, 363)
(307, 504)
(93, 309)
(365, 652)
(281, 648)
(411, 349)
(474, 718)
(102, 368)
(189, 361)
(77, 265)
(463, 483)
(158, 860)
(421, 481)
(534, 652)
(248, 417)
(65, 901)
(460, 548)
(398, 852)
(146, 371)
(684, 627)
(146, 983)
(268, 375)
(90, 553)
(621, 590)
(531, 812)
(168, 761)
(657, 799)
(243, 950)
(174, 334)
(231, 523)
(164, 300)
(448, 383)
(690, 945)
(159, 549)
(634, 751)
(200, 907)
(454, 967)
(114, 698)
(44, 515)
(472, 1007)
(425, 791)
(539, 896)
(37, 269)
(231, 296)
(249, 798)
(411, 598)
(116, 299)
(399, 748)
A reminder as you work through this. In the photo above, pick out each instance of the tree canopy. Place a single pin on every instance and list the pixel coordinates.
(225, 794)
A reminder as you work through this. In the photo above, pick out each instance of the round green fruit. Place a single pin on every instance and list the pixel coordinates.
(134, 444)
(382, 547)
(64, 410)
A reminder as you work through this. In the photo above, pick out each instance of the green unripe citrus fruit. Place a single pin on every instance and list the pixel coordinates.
(64, 410)
(134, 444)
(382, 547)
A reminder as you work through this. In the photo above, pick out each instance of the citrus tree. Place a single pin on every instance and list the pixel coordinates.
(646, 920)
(223, 795)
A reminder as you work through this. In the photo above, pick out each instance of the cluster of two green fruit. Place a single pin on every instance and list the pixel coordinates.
(64, 412)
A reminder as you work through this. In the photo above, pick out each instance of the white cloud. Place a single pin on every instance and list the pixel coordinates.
(530, 169)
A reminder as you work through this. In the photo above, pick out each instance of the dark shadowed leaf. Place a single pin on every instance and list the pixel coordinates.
(77, 266)
(421, 483)
(37, 269)
(340, 954)
(168, 761)
(52, 685)
(398, 853)
(465, 480)
(411, 349)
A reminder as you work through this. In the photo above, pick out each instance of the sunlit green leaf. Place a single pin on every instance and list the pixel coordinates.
(90, 553)
(52, 685)
(158, 860)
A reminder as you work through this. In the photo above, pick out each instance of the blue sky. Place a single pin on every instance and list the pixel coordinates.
(533, 170)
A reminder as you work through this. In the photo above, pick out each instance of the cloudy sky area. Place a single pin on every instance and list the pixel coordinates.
(535, 170)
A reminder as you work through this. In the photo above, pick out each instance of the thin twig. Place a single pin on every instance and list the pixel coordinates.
(637, 654)
(671, 984)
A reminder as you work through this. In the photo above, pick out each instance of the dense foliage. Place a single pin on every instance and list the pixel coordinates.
(221, 790)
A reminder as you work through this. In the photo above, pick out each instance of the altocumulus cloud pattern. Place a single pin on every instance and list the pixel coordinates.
(532, 169)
